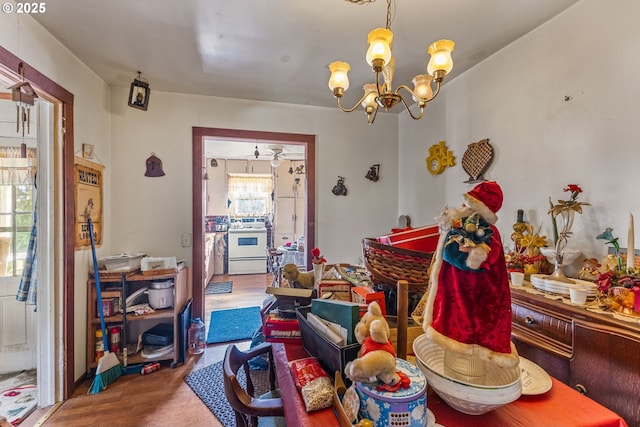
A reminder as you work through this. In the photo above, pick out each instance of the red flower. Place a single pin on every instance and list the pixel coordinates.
(573, 188)
(317, 258)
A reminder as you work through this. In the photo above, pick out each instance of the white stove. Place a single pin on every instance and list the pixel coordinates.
(247, 246)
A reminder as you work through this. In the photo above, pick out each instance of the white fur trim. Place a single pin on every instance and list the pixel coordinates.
(481, 208)
(503, 360)
(477, 255)
(433, 282)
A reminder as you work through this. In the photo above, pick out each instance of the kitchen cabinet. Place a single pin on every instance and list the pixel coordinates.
(290, 207)
(216, 190)
(595, 353)
(249, 166)
(118, 286)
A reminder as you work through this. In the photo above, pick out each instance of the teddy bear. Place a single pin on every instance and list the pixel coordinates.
(296, 278)
(376, 358)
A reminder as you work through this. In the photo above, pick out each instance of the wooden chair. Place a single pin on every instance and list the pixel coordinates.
(274, 265)
(245, 404)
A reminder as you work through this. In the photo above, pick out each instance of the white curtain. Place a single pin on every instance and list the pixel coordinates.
(244, 184)
(15, 170)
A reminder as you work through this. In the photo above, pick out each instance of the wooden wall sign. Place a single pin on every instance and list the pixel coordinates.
(88, 179)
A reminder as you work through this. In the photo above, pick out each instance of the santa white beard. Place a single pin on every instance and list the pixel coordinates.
(448, 215)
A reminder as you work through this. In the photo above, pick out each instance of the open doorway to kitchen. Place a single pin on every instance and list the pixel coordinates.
(271, 139)
(53, 327)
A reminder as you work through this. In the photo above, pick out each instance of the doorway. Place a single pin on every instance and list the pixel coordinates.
(199, 197)
(54, 325)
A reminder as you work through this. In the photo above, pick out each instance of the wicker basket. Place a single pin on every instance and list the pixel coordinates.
(388, 264)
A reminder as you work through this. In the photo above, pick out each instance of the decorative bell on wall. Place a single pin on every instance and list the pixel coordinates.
(339, 189)
(154, 167)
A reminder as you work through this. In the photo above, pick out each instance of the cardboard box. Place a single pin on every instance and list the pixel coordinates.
(332, 357)
(279, 329)
(335, 289)
(365, 295)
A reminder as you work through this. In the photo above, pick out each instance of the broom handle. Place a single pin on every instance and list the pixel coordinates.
(98, 290)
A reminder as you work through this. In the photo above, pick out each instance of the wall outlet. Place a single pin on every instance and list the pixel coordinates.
(186, 240)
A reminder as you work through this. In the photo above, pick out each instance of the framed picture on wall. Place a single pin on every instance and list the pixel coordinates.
(88, 177)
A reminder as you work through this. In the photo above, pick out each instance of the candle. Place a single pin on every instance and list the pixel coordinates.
(630, 249)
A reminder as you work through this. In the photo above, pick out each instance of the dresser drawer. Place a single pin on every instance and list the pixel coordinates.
(541, 328)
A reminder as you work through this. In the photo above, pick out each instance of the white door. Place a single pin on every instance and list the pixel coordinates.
(17, 320)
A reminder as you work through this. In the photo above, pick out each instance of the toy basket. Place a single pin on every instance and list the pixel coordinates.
(388, 264)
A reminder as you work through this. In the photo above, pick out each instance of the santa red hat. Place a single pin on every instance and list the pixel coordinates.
(486, 199)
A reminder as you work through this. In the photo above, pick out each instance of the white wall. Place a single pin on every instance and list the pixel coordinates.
(26, 39)
(542, 142)
(152, 213)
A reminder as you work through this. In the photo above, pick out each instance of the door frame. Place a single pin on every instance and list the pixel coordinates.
(199, 135)
(63, 221)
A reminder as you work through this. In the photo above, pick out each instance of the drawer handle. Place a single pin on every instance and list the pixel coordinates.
(528, 320)
(581, 389)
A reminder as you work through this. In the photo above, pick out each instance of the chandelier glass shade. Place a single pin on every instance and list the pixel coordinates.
(381, 93)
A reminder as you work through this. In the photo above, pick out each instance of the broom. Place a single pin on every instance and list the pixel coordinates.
(109, 368)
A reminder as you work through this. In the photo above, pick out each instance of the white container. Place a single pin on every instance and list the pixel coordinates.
(122, 262)
(161, 294)
(578, 295)
(158, 263)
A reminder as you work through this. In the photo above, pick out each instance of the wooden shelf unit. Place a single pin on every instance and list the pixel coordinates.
(133, 325)
(594, 353)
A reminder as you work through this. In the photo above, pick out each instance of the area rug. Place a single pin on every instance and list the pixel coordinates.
(234, 324)
(218, 288)
(18, 402)
(208, 384)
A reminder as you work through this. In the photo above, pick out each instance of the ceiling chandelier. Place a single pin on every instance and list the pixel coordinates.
(381, 94)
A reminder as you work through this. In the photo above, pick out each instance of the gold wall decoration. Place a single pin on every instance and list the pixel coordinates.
(88, 178)
(440, 157)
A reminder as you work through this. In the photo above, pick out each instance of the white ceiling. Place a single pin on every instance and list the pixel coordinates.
(278, 50)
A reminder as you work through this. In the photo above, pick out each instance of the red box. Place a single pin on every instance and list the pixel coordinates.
(365, 295)
(423, 239)
(280, 329)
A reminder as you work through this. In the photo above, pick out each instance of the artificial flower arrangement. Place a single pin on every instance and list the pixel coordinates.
(566, 210)
(526, 256)
(317, 258)
(619, 287)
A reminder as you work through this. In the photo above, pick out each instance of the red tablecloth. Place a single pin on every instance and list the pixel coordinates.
(559, 407)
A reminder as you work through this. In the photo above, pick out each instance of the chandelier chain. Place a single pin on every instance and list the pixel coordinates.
(388, 27)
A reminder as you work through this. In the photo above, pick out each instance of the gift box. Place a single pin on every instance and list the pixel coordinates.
(333, 358)
(423, 239)
(366, 295)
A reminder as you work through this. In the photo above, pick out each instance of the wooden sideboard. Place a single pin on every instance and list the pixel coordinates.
(594, 353)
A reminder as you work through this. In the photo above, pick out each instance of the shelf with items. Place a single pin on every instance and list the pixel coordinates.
(132, 325)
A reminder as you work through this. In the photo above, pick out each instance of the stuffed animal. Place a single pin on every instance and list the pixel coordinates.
(296, 278)
(377, 357)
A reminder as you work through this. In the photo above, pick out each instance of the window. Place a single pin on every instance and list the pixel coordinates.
(249, 194)
(16, 220)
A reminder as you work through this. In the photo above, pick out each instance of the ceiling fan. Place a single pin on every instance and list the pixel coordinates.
(276, 155)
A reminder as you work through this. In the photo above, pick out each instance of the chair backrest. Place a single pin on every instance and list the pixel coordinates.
(242, 399)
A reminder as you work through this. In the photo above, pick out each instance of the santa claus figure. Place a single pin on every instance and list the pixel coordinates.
(468, 309)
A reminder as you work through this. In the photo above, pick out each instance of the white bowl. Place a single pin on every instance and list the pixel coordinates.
(502, 386)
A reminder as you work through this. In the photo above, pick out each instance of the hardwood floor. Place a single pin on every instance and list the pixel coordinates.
(161, 398)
